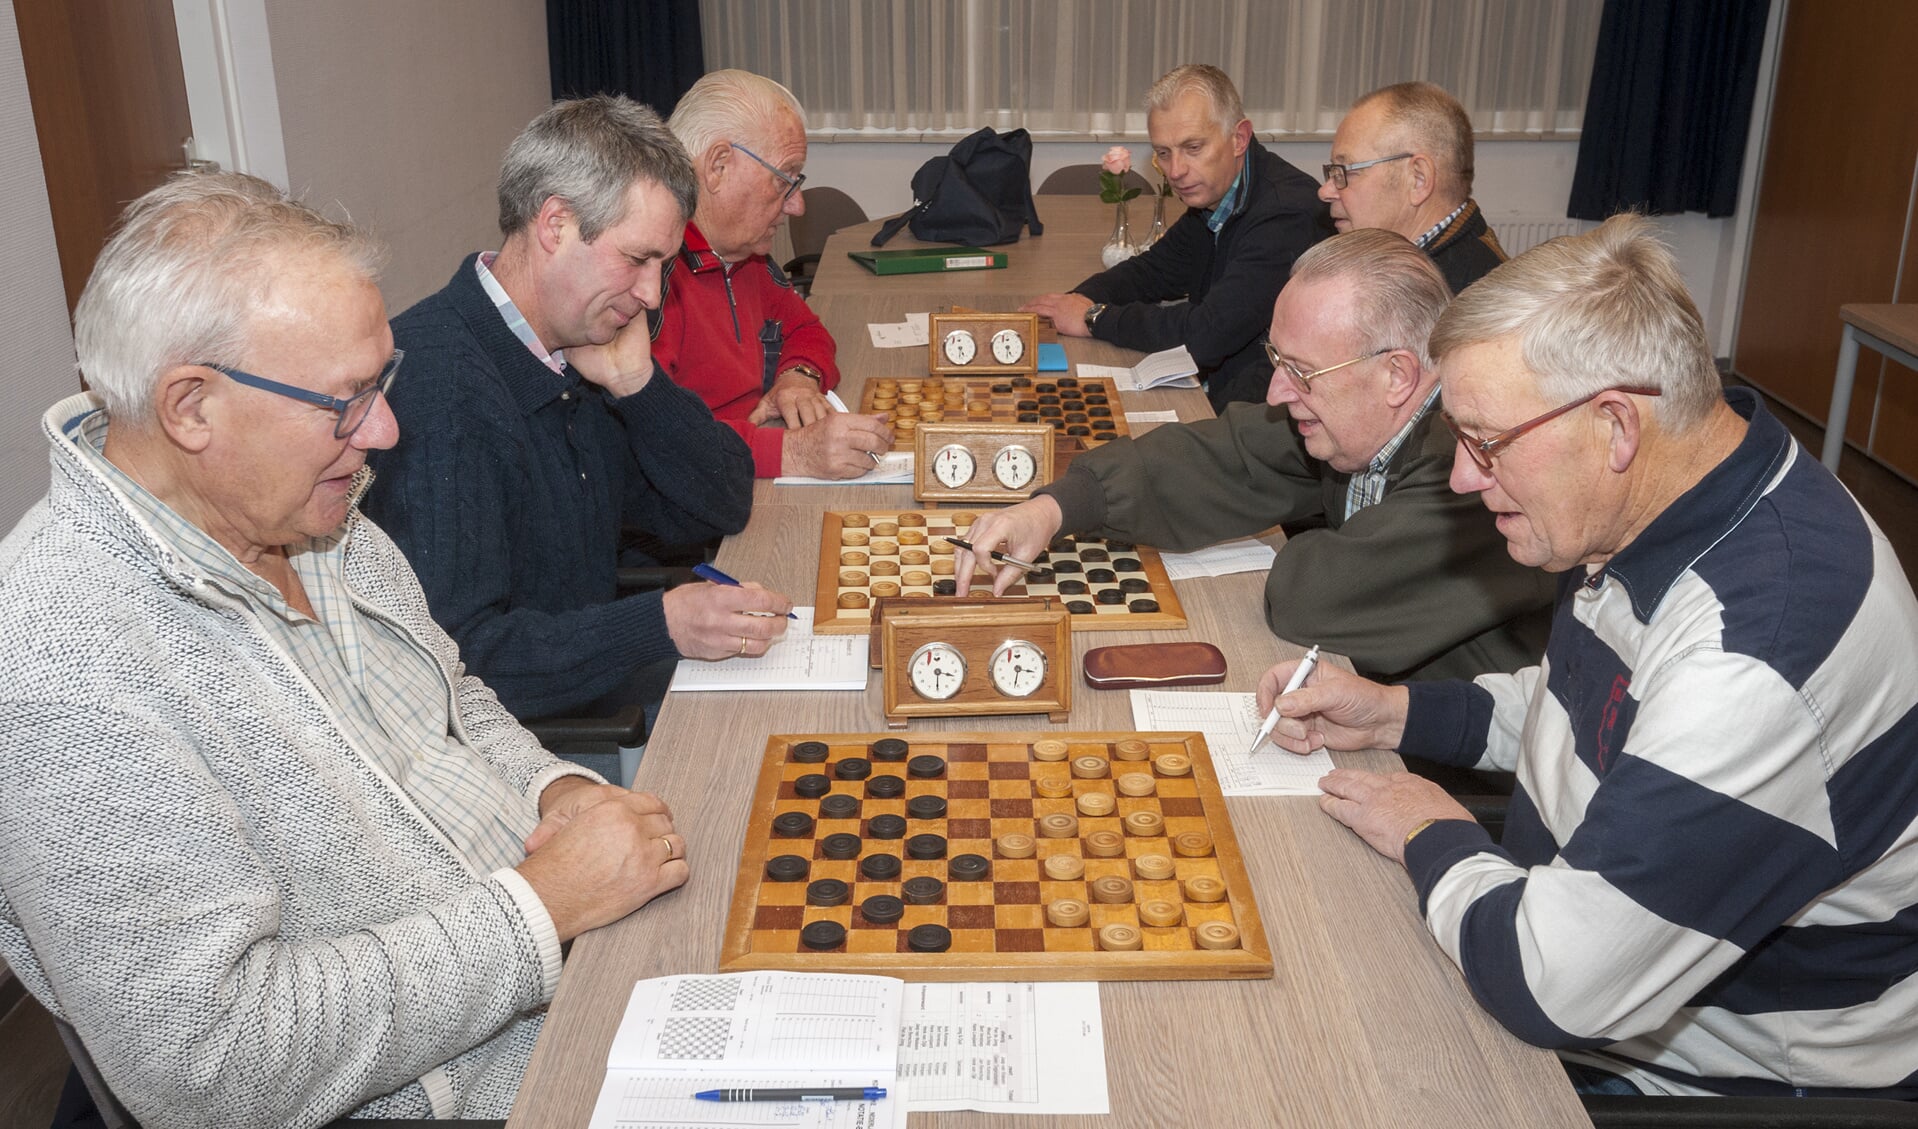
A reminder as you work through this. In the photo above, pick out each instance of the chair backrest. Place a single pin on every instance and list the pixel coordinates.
(1083, 180)
(827, 210)
(112, 1114)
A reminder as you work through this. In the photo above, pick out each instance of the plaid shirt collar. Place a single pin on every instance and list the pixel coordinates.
(1229, 204)
(1438, 228)
(1368, 486)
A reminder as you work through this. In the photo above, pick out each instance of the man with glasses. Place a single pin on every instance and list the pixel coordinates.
(1706, 882)
(537, 427)
(1402, 161)
(1250, 213)
(268, 848)
(731, 327)
(1403, 576)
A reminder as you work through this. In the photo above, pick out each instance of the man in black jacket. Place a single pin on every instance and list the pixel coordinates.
(1250, 215)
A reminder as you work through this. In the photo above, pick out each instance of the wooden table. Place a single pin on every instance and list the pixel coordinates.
(1365, 1023)
(1053, 262)
(1889, 329)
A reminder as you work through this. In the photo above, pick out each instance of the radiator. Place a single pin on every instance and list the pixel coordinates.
(1518, 234)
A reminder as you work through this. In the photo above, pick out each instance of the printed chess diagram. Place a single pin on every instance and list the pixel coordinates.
(980, 856)
(694, 1036)
(1106, 585)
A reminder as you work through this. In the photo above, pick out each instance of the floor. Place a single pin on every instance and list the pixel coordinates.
(33, 1064)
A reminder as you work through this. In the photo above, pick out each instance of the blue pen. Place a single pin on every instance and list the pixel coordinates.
(818, 1094)
(707, 572)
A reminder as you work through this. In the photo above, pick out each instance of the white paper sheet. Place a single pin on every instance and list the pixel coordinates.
(913, 332)
(1167, 368)
(1152, 417)
(798, 660)
(684, 1034)
(1003, 1048)
(894, 467)
(1223, 559)
(1229, 722)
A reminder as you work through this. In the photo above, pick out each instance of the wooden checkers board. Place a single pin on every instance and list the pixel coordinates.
(1083, 413)
(1106, 585)
(986, 864)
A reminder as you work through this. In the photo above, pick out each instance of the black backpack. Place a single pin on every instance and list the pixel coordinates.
(979, 194)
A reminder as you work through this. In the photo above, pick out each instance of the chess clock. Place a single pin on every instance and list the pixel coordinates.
(981, 344)
(981, 462)
(941, 660)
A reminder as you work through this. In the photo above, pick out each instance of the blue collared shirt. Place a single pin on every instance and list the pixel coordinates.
(1228, 205)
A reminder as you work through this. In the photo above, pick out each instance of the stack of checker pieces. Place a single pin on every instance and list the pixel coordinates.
(1106, 585)
(1084, 413)
(982, 856)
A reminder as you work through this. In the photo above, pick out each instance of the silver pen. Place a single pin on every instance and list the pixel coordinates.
(1297, 680)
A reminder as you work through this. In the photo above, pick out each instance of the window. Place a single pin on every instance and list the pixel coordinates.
(878, 69)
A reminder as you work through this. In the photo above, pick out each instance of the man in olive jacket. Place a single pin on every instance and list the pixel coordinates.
(1405, 577)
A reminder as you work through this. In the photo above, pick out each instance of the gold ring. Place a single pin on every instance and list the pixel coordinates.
(743, 641)
(671, 853)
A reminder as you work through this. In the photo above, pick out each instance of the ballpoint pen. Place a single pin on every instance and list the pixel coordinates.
(1297, 680)
(996, 555)
(707, 572)
(819, 1094)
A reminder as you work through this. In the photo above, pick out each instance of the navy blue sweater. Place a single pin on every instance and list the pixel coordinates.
(508, 488)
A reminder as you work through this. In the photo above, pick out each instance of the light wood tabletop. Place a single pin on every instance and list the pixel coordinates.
(1054, 262)
(1365, 1022)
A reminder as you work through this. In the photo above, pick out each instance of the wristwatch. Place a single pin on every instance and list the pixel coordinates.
(1092, 313)
(807, 370)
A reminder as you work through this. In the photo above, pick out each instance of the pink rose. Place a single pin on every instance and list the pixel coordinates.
(1117, 161)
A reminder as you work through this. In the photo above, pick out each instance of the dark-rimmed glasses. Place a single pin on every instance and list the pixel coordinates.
(1303, 380)
(792, 181)
(1337, 173)
(1483, 451)
(352, 411)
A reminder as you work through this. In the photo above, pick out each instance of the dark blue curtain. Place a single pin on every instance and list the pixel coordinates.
(1669, 107)
(648, 50)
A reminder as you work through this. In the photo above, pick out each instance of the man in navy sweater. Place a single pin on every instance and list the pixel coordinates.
(1250, 215)
(1707, 883)
(534, 426)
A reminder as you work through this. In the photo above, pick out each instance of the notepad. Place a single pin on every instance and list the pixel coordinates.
(797, 660)
(1167, 368)
(1229, 722)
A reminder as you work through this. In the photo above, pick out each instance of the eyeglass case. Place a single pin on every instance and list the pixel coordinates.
(1153, 666)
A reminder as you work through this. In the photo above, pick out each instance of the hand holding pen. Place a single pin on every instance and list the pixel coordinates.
(724, 619)
(1299, 675)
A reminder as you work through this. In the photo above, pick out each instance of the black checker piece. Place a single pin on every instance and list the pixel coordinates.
(880, 868)
(926, 767)
(882, 909)
(926, 807)
(843, 845)
(853, 768)
(968, 868)
(889, 749)
(886, 826)
(827, 892)
(809, 752)
(839, 807)
(929, 939)
(792, 825)
(823, 935)
(811, 786)
(887, 787)
(927, 846)
(923, 891)
(787, 868)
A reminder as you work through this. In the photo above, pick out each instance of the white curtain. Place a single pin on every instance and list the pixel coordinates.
(877, 69)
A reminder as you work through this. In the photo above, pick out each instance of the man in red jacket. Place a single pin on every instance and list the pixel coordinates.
(730, 327)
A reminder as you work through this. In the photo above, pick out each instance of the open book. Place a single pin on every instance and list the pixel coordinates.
(1167, 368)
(685, 1034)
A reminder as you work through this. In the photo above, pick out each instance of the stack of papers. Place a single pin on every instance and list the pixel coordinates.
(797, 660)
(1168, 368)
(1223, 559)
(1229, 722)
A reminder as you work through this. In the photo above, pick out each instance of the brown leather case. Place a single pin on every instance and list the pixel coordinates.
(1153, 666)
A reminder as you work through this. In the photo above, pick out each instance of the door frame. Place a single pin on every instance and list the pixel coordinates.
(232, 96)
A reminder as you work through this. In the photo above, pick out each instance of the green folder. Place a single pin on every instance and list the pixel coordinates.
(925, 260)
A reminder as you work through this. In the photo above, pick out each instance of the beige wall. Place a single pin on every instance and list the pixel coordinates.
(38, 366)
(397, 113)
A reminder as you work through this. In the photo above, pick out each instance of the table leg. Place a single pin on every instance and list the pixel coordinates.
(1840, 399)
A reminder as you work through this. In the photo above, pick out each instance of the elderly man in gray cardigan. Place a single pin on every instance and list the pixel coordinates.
(263, 843)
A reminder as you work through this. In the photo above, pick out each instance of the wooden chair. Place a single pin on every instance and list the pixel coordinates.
(1610, 1112)
(827, 211)
(1083, 180)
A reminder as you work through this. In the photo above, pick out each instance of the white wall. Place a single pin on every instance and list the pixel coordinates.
(39, 365)
(1516, 179)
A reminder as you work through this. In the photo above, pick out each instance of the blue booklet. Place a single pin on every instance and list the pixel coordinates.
(1052, 357)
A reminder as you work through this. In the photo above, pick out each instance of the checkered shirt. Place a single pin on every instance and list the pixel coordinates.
(516, 321)
(1438, 228)
(1368, 485)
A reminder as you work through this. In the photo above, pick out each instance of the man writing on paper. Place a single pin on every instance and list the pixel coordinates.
(730, 326)
(1405, 577)
(1250, 215)
(264, 843)
(535, 427)
(1402, 161)
(1706, 883)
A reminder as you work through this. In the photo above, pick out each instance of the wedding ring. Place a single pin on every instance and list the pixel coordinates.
(671, 853)
(742, 645)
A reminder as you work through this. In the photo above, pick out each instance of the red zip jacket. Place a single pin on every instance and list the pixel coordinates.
(707, 336)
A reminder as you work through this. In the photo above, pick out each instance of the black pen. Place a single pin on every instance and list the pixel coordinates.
(821, 1094)
(996, 555)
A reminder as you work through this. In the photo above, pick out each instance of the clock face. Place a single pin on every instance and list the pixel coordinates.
(1018, 668)
(953, 466)
(960, 347)
(936, 670)
(1014, 467)
(1008, 346)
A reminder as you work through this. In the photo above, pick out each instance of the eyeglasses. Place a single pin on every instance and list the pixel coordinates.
(1337, 173)
(1483, 451)
(352, 411)
(792, 181)
(1303, 380)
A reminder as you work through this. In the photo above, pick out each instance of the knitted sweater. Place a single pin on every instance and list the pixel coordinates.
(1467, 249)
(1709, 874)
(247, 922)
(1230, 280)
(710, 334)
(507, 492)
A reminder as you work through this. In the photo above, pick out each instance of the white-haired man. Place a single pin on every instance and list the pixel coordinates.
(264, 844)
(1249, 215)
(1402, 161)
(730, 326)
(1708, 882)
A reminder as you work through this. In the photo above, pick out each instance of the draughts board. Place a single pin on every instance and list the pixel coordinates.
(1085, 413)
(866, 555)
(996, 924)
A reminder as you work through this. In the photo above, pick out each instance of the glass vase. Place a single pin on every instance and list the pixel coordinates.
(1157, 231)
(1118, 247)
